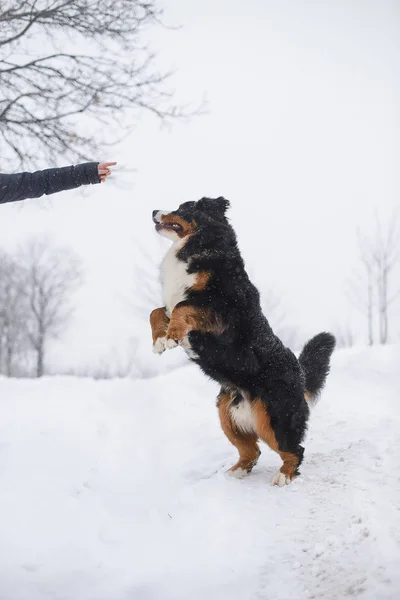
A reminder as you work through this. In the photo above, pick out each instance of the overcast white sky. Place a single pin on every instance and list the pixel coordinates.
(302, 135)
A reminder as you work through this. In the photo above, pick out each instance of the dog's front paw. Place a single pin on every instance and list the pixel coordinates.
(171, 343)
(175, 336)
(160, 345)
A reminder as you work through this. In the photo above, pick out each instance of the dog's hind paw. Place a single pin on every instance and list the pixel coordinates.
(160, 345)
(280, 479)
(238, 473)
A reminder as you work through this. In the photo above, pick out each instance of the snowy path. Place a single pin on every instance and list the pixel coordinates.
(116, 491)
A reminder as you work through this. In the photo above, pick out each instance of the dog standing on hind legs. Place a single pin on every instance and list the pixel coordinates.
(213, 311)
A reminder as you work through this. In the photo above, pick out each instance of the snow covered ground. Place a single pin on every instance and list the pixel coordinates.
(116, 490)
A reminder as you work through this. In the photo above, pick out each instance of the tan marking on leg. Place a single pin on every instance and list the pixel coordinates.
(189, 318)
(266, 433)
(290, 464)
(159, 323)
(246, 443)
(263, 424)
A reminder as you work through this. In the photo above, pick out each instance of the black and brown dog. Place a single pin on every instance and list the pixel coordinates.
(213, 310)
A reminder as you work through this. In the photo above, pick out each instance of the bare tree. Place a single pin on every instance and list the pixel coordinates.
(51, 275)
(374, 288)
(13, 335)
(4, 273)
(385, 256)
(360, 291)
(103, 69)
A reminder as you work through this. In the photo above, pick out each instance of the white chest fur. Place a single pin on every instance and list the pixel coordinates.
(175, 278)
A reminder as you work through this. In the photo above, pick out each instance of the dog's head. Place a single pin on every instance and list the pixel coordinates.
(190, 217)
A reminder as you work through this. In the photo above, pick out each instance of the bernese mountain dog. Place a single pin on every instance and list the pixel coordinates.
(213, 311)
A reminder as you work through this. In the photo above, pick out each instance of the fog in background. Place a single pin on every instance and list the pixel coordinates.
(301, 134)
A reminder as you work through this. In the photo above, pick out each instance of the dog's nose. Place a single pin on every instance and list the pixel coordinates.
(155, 214)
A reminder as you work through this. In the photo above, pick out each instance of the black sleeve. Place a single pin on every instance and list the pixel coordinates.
(33, 185)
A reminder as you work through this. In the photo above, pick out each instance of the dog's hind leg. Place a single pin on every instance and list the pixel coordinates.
(245, 442)
(290, 451)
(290, 467)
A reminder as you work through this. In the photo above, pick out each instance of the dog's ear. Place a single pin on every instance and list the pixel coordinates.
(215, 207)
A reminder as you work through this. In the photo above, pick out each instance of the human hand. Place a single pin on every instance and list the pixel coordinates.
(104, 170)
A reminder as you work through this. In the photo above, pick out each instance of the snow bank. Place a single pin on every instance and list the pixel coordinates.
(115, 490)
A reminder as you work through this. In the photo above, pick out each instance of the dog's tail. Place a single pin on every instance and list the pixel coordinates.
(315, 362)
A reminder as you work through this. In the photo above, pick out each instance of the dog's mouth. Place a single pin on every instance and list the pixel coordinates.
(169, 227)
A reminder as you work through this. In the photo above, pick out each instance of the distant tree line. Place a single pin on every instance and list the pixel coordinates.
(38, 280)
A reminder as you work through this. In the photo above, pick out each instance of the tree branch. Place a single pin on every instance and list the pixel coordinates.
(42, 99)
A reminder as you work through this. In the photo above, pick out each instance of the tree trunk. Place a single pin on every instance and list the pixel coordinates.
(370, 311)
(40, 358)
(383, 305)
(9, 358)
(384, 309)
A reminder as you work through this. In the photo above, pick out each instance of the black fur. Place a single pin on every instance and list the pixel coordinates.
(247, 355)
(314, 360)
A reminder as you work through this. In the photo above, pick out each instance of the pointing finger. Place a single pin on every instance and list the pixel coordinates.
(107, 164)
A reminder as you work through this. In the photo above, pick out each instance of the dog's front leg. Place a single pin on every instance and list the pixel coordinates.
(159, 324)
(186, 318)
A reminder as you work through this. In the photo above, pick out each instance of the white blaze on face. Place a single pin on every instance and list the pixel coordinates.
(159, 214)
